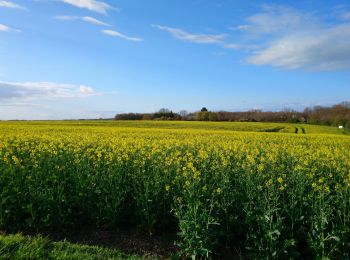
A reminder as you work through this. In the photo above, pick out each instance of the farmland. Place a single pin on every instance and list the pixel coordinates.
(257, 189)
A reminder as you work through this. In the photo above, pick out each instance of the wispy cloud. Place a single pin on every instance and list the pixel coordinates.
(12, 5)
(23, 104)
(192, 37)
(92, 20)
(87, 19)
(287, 38)
(5, 28)
(328, 49)
(92, 5)
(232, 46)
(120, 35)
(19, 91)
(242, 27)
(276, 19)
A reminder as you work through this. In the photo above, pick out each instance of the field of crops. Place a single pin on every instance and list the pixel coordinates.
(256, 189)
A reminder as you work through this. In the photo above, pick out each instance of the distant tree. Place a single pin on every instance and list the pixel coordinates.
(335, 115)
(147, 117)
(203, 116)
(129, 116)
(212, 116)
(345, 104)
(164, 111)
(183, 113)
(164, 114)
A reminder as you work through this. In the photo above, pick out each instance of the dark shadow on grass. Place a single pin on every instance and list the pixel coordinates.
(128, 240)
(273, 130)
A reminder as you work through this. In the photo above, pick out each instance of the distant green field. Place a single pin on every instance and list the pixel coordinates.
(229, 126)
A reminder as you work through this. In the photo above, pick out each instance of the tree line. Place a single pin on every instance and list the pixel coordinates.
(338, 114)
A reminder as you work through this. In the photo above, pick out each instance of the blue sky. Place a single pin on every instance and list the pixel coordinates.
(88, 58)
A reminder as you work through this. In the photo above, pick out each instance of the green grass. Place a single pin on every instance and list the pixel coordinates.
(24, 247)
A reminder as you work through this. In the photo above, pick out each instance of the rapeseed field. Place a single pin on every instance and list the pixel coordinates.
(261, 193)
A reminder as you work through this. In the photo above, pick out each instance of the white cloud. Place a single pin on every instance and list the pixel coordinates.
(87, 19)
(190, 37)
(8, 4)
(19, 91)
(94, 21)
(5, 28)
(86, 90)
(287, 38)
(92, 5)
(279, 19)
(232, 46)
(67, 17)
(120, 35)
(328, 49)
(243, 27)
(48, 100)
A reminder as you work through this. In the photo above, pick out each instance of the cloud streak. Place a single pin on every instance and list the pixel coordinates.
(232, 46)
(87, 19)
(5, 28)
(120, 35)
(191, 37)
(15, 91)
(12, 5)
(92, 5)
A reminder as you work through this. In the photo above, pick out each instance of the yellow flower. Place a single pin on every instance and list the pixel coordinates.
(269, 182)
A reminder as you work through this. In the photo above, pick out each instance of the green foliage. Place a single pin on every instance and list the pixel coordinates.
(164, 114)
(22, 247)
(205, 115)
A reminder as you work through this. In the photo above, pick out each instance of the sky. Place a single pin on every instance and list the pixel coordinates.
(70, 59)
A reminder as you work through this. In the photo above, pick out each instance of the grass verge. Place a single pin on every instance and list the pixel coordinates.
(19, 246)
